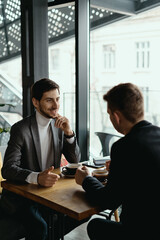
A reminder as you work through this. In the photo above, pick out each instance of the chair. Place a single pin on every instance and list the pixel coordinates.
(2, 152)
(0, 173)
(105, 139)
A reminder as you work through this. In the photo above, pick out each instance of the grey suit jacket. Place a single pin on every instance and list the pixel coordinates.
(23, 154)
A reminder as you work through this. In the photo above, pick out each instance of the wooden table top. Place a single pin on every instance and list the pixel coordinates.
(65, 196)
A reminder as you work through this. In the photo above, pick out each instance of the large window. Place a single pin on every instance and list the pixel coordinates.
(125, 49)
(130, 47)
(62, 71)
(62, 58)
(10, 95)
(10, 66)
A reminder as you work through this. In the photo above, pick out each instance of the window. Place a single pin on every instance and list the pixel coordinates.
(131, 47)
(109, 56)
(55, 58)
(142, 55)
(10, 93)
(62, 57)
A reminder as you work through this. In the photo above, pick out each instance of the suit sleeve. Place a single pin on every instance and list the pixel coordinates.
(71, 151)
(12, 165)
(109, 196)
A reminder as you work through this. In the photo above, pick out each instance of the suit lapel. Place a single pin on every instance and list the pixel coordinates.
(36, 139)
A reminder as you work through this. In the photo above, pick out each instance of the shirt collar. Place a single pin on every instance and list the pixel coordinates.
(41, 120)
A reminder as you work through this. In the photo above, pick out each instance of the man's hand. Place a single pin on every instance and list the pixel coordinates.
(81, 173)
(47, 178)
(63, 123)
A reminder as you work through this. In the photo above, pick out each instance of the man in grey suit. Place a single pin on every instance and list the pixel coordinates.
(35, 148)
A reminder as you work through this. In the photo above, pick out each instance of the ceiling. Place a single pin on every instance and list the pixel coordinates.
(61, 19)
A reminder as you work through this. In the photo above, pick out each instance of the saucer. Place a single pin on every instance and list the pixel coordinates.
(67, 175)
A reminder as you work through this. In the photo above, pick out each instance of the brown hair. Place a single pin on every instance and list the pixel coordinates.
(128, 99)
(42, 86)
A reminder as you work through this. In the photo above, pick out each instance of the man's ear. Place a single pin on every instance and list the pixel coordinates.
(35, 102)
(117, 116)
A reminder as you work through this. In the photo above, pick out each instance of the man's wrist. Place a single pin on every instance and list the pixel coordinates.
(69, 135)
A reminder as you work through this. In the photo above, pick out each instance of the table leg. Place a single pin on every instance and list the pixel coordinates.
(61, 225)
(59, 217)
(51, 226)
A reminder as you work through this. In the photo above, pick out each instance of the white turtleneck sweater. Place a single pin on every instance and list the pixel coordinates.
(46, 141)
(46, 144)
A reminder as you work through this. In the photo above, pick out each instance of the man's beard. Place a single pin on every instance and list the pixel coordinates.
(45, 114)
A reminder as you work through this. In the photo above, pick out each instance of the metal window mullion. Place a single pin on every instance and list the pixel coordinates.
(34, 44)
(82, 30)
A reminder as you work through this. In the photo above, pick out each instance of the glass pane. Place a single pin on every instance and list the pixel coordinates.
(14, 37)
(1, 16)
(136, 40)
(3, 44)
(12, 10)
(10, 95)
(10, 70)
(62, 57)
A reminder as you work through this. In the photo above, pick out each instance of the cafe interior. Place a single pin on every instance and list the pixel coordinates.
(79, 44)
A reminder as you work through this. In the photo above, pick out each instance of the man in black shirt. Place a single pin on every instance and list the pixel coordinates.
(134, 177)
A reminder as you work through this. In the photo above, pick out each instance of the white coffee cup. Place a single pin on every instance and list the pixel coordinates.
(70, 169)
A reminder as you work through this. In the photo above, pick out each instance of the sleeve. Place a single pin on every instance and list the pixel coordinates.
(109, 196)
(12, 165)
(32, 178)
(71, 150)
(70, 140)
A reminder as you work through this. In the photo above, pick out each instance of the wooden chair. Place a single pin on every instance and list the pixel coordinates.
(109, 214)
(0, 173)
(2, 152)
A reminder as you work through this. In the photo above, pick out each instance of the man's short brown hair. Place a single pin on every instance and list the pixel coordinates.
(128, 99)
(42, 86)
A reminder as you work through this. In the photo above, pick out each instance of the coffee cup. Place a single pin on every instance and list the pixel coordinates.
(70, 169)
(100, 174)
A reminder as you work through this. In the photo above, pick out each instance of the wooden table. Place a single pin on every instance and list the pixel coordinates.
(65, 196)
